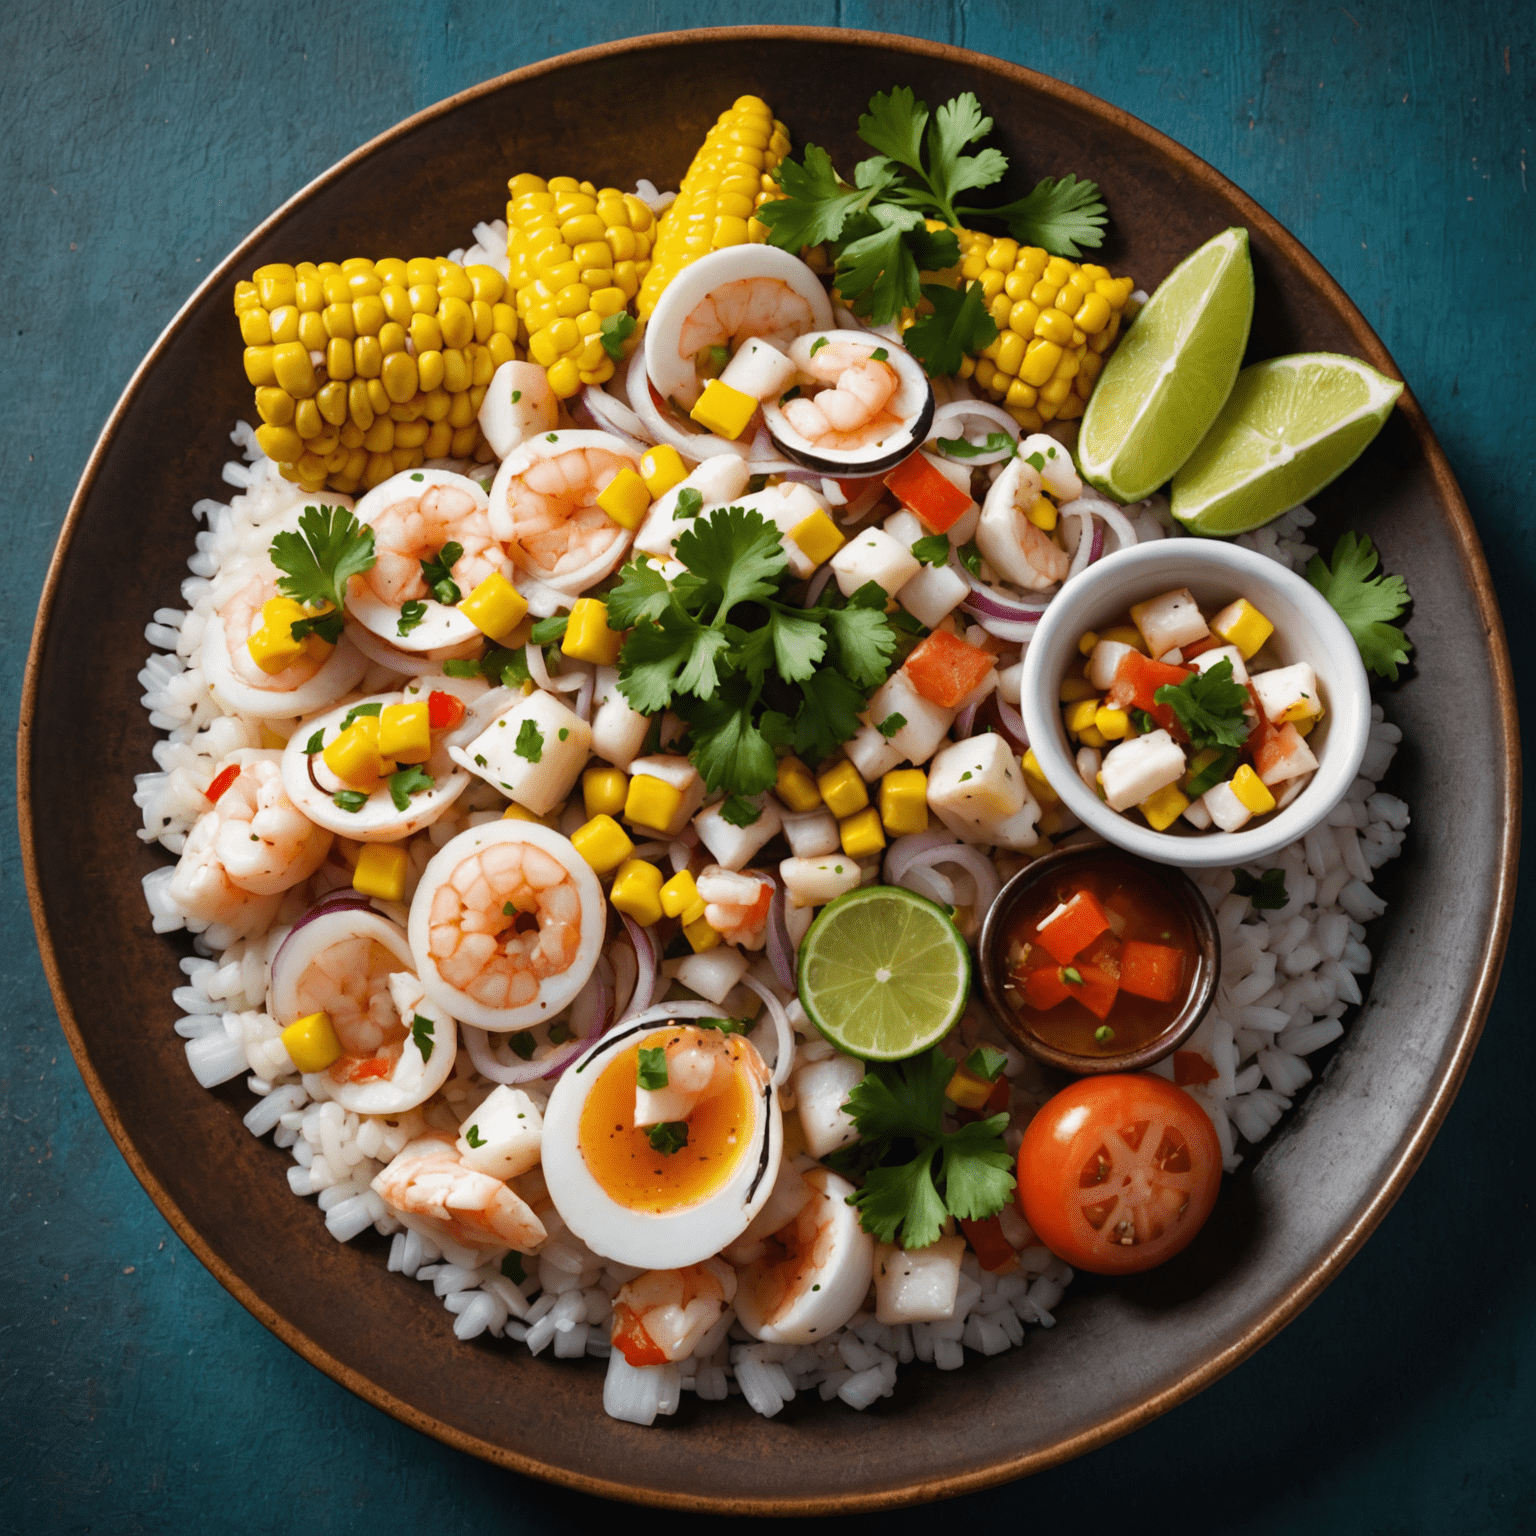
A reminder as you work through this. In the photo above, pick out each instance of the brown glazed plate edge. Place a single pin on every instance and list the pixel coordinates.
(1407, 1154)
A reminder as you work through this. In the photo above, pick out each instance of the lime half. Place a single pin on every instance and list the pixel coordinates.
(1164, 384)
(1289, 426)
(884, 973)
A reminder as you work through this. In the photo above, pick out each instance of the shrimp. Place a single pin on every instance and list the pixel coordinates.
(765, 307)
(242, 618)
(350, 982)
(701, 1064)
(415, 528)
(853, 412)
(736, 904)
(1015, 547)
(253, 843)
(428, 1180)
(664, 1314)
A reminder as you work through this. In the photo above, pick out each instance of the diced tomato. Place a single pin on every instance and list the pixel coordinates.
(638, 1347)
(853, 489)
(1077, 927)
(922, 489)
(1096, 991)
(1152, 970)
(944, 668)
(444, 710)
(1190, 1069)
(222, 782)
(991, 1248)
(1044, 988)
(997, 1100)
(374, 1066)
(1135, 685)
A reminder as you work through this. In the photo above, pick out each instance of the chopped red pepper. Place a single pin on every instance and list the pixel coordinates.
(1137, 679)
(629, 1334)
(1075, 929)
(444, 710)
(1190, 1069)
(944, 668)
(991, 1248)
(1152, 970)
(927, 491)
(222, 782)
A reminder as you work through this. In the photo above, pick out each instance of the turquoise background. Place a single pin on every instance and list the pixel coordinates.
(140, 142)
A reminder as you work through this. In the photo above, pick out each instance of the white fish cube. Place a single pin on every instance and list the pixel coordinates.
(1197, 814)
(1104, 661)
(976, 788)
(759, 369)
(1226, 810)
(682, 776)
(731, 845)
(917, 1285)
(811, 834)
(821, 1089)
(1169, 620)
(618, 732)
(719, 481)
(1288, 692)
(533, 753)
(1208, 659)
(871, 753)
(786, 506)
(926, 726)
(904, 527)
(933, 594)
(1139, 768)
(874, 556)
(814, 882)
(508, 423)
(504, 1135)
(711, 975)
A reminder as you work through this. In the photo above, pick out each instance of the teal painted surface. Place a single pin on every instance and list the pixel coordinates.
(139, 142)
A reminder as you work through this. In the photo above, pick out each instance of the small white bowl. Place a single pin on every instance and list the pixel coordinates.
(1306, 629)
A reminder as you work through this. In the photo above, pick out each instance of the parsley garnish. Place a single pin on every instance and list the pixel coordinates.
(958, 448)
(559, 1032)
(1365, 603)
(411, 614)
(960, 323)
(530, 741)
(350, 800)
(517, 395)
(1209, 706)
(315, 742)
(473, 1137)
(879, 355)
(330, 547)
(891, 724)
(615, 331)
(422, 1030)
(438, 573)
(461, 666)
(357, 710)
(651, 1074)
(327, 625)
(970, 558)
(1063, 216)
(669, 1137)
(1072, 974)
(916, 1174)
(521, 1043)
(739, 811)
(1213, 772)
(407, 782)
(986, 1062)
(690, 500)
(818, 344)
(1267, 893)
(932, 550)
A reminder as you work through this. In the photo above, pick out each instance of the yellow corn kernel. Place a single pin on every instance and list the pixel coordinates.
(603, 843)
(495, 607)
(1042, 514)
(381, 871)
(698, 932)
(661, 468)
(817, 537)
(637, 891)
(795, 786)
(904, 801)
(1112, 724)
(1081, 714)
(1086, 642)
(843, 790)
(270, 739)
(1090, 737)
(967, 1090)
(354, 756)
(405, 733)
(1309, 708)
(861, 834)
(1125, 634)
(1039, 785)
(1074, 689)
(651, 802)
(515, 812)
(1242, 625)
(311, 1042)
(680, 895)
(1164, 808)
(587, 636)
(1304, 726)
(1252, 791)
(603, 790)
(724, 410)
(625, 499)
(273, 647)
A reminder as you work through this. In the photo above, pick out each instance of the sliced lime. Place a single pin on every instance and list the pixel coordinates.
(1166, 381)
(884, 973)
(1289, 426)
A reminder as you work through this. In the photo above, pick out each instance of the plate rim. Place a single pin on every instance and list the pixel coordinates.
(1409, 1152)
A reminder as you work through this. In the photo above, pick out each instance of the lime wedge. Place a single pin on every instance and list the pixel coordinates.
(884, 973)
(1166, 381)
(1289, 426)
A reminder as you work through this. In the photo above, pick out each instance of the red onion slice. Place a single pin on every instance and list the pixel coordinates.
(692, 445)
(965, 723)
(645, 962)
(489, 1065)
(1003, 629)
(781, 948)
(784, 1061)
(817, 587)
(605, 414)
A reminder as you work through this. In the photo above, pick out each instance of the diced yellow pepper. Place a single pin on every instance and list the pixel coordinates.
(603, 843)
(311, 1042)
(1252, 791)
(405, 732)
(861, 834)
(354, 756)
(661, 468)
(1074, 690)
(381, 870)
(968, 1090)
(1112, 724)
(626, 499)
(1125, 634)
(1090, 737)
(1081, 715)
(1242, 625)
(724, 410)
(651, 802)
(637, 891)
(1086, 642)
(843, 790)
(1309, 708)
(515, 812)
(1164, 807)
(587, 636)
(495, 607)
(273, 647)
(699, 933)
(679, 894)
(817, 537)
(795, 786)
(1042, 513)
(603, 790)
(1039, 785)
(904, 801)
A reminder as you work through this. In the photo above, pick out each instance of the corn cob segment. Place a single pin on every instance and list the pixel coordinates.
(578, 255)
(729, 179)
(363, 369)
(1055, 321)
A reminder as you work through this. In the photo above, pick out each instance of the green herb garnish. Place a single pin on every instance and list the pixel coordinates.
(892, 723)
(548, 631)
(406, 782)
(932, 549)
(1267, 893)
(651, 1074)
(739, 811)
(986, 1062)
(669, 1137)
(327, 625)
(1210, 706)
(615, 331)
(473, 1137)
(437, 572)
(521, 1043)
(330, 548)
(530, 742)
(411, 615)
(690, 501)
(1365, 603)
(350, 800)
(358, 710)
(997, 442)
(315, 742)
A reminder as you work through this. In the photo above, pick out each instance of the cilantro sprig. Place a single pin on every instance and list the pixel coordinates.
(1365, 603)
(747, 670)
(1210, 706)
(916, 1174)
(330, 547)
(1266, 892)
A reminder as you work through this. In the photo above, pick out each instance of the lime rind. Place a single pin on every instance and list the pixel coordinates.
(1167, 380)
(926, 966)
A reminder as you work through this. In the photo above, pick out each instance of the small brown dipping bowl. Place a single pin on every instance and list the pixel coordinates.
(1024, 891)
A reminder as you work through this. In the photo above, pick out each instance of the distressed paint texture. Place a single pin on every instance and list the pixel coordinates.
(140, 141)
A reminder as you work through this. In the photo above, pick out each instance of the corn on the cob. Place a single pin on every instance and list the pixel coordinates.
(729, 179)
(364, 369)
(578, 255)
(1055, 320)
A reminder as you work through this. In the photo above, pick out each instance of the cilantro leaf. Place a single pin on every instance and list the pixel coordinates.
(474, 1138)
(651, 659)
(327, 625)
(330, 547)
(737, 553)
(315, 742)
(530, 742)
(975, 1169)
(642, 593)
(902, 1198)
(986, 1062)
(799, 642)
(614, 332)
(1365, 603)
(894, 125)
(669, 1137)
(876, 272)
(740, 811)
(864, 641)
(699, 672)
(828, 717)
(957, 123)
(422, 1031)
(406, 782)
(729, 751)
(726, 1026)
(891, 724)
(651, 1074)
(932, 550)
(959, 324)
(437, 572)
(1063, 216)
(1267, 893)
(350, 800)
(816, 203)
(373, 707)
(690, 501)
(1210, 706)
(959, 448)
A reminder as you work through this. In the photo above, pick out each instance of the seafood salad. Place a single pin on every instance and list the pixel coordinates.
(592, 746)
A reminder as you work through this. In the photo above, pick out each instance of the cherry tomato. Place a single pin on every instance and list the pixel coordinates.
(1118, 1173)
(629, 1335)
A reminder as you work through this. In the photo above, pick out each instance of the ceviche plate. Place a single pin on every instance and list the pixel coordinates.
(1122, 1351)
